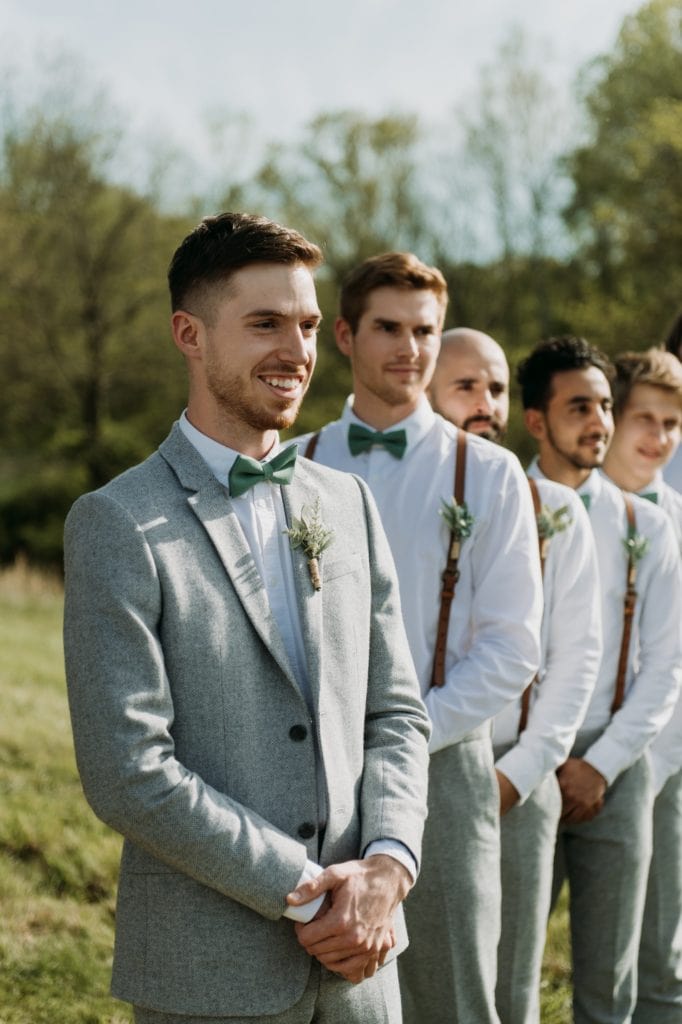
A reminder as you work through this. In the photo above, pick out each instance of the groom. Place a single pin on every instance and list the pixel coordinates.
(240, 727)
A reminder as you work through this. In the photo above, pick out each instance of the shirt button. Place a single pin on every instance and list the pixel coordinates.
(306, 830)
(298, 733)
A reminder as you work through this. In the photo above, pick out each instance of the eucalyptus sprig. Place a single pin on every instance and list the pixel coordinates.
(458, 518)
(309, 533)
(552, 520)
(636, 546)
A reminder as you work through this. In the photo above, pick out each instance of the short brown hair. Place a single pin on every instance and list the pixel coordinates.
(219, 246)
(389, 270)
(654, 367)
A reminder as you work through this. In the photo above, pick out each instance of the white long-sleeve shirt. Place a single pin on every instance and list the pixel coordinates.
(493, 639)
(653, 671)
(571, 648)
(666, 750)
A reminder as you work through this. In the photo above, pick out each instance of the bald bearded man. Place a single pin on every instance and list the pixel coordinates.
(531, 737)
(471, 384)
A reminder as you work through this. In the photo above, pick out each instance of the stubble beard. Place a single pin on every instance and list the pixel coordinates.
(494, 430)
(229, 395)
(575, 459)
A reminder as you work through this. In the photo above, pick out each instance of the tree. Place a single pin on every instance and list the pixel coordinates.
(81, 300)
(626, 209)
(514, 133)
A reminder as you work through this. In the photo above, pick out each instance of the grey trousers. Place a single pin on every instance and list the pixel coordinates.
(529, 833)
(659, 996)
(327, 999)
(447, 974)
(606, 862)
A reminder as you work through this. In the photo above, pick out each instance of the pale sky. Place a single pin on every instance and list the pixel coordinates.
(169, 64)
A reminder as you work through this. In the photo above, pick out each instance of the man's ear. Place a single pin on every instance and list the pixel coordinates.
(535, 423)
(343, 335)
(188, 331)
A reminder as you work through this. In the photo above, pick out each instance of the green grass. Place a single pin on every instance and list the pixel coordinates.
(58, 864)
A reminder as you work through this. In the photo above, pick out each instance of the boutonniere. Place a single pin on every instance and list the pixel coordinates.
(460, 522)
(311, 535)
(636, 546)
(551, 521)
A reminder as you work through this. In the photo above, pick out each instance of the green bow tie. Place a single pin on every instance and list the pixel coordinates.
(360, 439)
(586, 500)
(651, 496)
(246, 472)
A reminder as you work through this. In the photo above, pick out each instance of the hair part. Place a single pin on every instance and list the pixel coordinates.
(389, 270)
(221, 245)
(654, 367)
(556, 355)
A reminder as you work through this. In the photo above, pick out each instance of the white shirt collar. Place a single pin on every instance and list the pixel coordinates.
(591, 487)
(218, 457)
(416, 425)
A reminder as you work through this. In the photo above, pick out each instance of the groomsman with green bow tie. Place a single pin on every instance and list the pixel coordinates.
(647, 393)
(458, 515)
(244, 705)
(604, 841)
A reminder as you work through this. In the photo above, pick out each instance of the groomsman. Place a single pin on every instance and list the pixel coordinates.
(533, 736)
(476, 650)
(604, 844)
(647, 396)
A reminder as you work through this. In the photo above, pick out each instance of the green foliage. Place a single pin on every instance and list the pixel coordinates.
(58, 864)
(627, 205)
(90, 373)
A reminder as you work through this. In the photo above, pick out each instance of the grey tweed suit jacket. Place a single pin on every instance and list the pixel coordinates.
(193, 738)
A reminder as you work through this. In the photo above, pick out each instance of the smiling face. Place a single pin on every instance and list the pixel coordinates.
(646, 436)
(575, 429)
(251, 359)
(471, 384)
(393, 352)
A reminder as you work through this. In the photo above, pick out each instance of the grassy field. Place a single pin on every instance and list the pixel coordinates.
(57, 862)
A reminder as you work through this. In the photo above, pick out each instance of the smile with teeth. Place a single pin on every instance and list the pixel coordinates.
(282, 383)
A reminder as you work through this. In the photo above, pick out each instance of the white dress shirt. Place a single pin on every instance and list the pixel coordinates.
(261, 515)
(570, 651)
(493, 639)
(654, 661)
(666, 750)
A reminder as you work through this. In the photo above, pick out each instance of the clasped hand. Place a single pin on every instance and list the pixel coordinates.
(353, 932)
(582, 790)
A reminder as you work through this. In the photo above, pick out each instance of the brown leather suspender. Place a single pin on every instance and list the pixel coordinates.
(309, 452)
(628, 610)
(451, 572)
(543, 545)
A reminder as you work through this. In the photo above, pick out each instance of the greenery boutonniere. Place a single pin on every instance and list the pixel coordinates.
(551, 521)
(460, 522)
(311, 535)
(636, 546)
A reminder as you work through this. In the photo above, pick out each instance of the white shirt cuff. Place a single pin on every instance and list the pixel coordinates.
(306, 911)
(394, 848)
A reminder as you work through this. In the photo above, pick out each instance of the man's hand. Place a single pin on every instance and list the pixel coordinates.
(353, 931)
(509, 794)
(582, 790)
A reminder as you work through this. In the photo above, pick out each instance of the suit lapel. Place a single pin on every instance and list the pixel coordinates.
(298, 494)
(211, 505)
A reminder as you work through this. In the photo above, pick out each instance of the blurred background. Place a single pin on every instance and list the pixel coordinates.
(533, 151)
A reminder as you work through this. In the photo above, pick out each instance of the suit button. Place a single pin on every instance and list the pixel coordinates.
(298, 733)
(306, 830)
